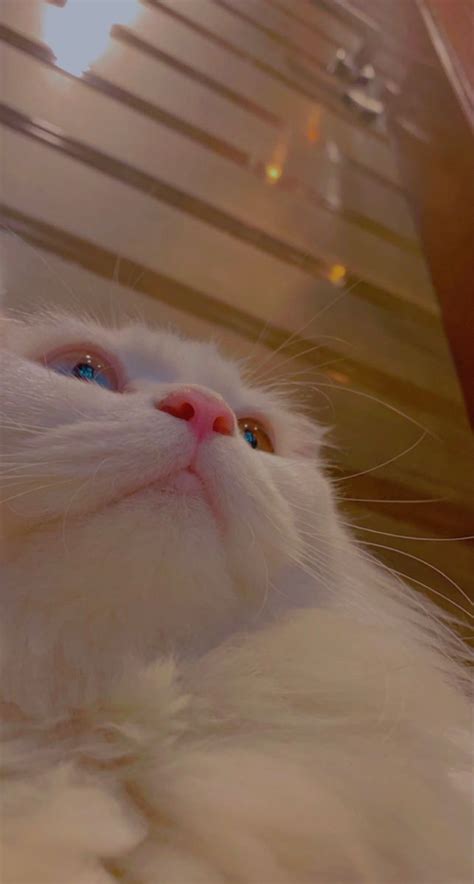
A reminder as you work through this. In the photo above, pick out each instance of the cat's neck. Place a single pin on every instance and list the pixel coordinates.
(71, 628)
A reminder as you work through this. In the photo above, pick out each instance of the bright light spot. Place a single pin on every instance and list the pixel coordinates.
(313, 131)
(79, 32)
(337, 274)
(339, 377)
(333, 188)
(273, 172)
(333, 152)
(333, 201)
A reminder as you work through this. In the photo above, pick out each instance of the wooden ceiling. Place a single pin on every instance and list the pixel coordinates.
(206, 171)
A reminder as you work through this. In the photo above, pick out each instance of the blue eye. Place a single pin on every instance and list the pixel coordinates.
(86, 372)
(255, 434)
(251, 438)
(85, 366)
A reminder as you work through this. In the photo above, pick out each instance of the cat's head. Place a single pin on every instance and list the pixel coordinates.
(146, 483)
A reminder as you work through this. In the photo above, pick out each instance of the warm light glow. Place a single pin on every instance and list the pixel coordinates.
(333, 152)
(313, 132)
(273, 172)
(338, 376)
(79, 32)
(333, 187)
(337, 274)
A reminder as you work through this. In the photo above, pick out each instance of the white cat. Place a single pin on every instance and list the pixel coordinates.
(202, 678)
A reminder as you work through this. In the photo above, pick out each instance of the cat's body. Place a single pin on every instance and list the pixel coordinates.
(313, 727)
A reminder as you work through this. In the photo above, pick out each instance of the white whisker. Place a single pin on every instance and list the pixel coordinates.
(385, 463)
(35, 490)
(410, 537)
(378, 401)
(297, 332)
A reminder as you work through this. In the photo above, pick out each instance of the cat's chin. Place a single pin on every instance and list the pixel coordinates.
(147, 576)
(184, 484)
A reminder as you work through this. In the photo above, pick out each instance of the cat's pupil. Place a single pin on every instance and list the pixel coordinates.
(84, 371)
(251, 438)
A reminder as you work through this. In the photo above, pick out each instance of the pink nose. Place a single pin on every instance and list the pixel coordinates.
(204, 412)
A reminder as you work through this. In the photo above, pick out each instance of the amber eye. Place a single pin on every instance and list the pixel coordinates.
(255, 434)
(85, 364)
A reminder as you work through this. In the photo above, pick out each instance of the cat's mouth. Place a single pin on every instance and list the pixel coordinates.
(185, 482)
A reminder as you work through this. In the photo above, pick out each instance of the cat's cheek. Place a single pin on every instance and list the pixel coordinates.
(15, 533)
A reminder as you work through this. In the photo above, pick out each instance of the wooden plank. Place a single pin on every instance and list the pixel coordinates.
(265, 285)
(208, 60)
(220, 194)
(231, 310)
(313, 47)
(315, 18)
(284, 63)
(136, 80)
(162, 30)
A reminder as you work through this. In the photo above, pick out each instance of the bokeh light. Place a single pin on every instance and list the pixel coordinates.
(337, 274)
(273, 172)
(339, 376)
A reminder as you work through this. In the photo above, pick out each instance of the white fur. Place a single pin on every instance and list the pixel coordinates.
(319, 745)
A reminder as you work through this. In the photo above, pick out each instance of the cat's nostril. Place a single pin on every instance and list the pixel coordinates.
(184, 411)
(224, 425)
(206, 412)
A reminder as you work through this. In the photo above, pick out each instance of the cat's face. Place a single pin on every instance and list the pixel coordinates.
(145, 481)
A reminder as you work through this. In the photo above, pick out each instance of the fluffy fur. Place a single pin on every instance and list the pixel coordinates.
(206, 687)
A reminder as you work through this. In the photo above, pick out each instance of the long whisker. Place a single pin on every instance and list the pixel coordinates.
(421, 561)
(298, 331)
(46, 263)
(443, 620)
(318, 539)
(23, 428)
(37, 488)
(409, 537)
(75, 495)
(385, 463)
(428, 588)
(415, 580)
(289, 359)
(378, 401)
(392, 500)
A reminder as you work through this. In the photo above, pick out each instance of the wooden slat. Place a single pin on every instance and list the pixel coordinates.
(235, 317)
(264, 285)
(178, 40)
(169, 97)
(315, 18)
(221, 195)
(162, 30)
(284, 63)
(271, 22)
(306, 155)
